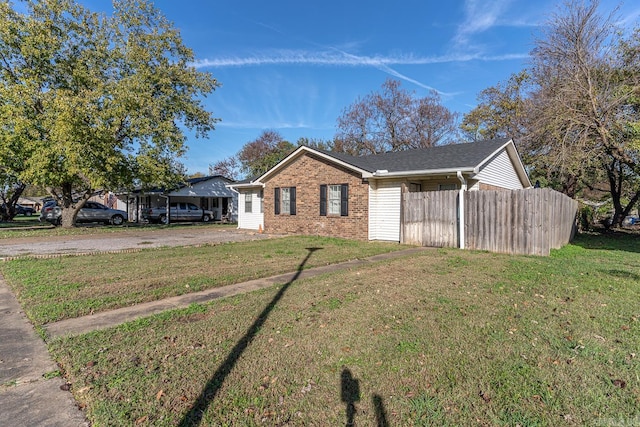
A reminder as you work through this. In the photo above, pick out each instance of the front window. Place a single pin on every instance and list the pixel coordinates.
(248, 202)
(443, 187)
(334, 199)
(285, 201)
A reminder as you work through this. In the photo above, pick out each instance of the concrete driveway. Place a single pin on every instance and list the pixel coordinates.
(123, 240)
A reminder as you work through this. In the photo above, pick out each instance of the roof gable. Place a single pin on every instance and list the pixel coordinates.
(336, 158)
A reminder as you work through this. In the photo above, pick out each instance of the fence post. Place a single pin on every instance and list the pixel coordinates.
(463, 188)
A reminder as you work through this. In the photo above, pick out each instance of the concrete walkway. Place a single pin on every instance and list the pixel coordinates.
(27, 398)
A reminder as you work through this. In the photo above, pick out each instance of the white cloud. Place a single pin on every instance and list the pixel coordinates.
(341, 59)
(480, 15)
(630, 19)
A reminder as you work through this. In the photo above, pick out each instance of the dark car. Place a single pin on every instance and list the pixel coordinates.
(21, 210)
(25, 210)
(90, 212)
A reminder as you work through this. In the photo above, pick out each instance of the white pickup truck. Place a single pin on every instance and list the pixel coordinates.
(178, 211)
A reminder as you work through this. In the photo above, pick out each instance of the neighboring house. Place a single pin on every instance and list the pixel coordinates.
(319, 192)
(35, 203)
(209, 192)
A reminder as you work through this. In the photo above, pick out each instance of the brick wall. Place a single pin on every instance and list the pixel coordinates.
(307, 173)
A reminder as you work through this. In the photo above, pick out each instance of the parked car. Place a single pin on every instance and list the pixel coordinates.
(47, 207)
(90, 212)
(21, 210)
(25, 210)
(178, 211)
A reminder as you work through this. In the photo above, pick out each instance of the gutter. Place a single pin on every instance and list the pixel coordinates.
(463, 188)
(252, 184)
(402, 174)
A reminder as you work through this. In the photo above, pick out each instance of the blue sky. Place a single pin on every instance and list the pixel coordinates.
(294, 66)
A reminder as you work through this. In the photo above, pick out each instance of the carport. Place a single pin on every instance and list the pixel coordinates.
(209, 192)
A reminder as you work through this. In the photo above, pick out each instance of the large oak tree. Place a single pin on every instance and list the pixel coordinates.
(91, 101)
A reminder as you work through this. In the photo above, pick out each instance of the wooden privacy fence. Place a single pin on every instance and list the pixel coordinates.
(529, 222)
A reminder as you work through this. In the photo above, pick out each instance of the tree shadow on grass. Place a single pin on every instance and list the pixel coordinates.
(210, 390)
(618, 240)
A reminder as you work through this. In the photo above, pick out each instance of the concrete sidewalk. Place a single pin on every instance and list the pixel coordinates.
(27, 398)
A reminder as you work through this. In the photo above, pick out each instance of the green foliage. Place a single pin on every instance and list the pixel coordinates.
(255, 157)
(89, 101)
(263, 153)
(501, 110)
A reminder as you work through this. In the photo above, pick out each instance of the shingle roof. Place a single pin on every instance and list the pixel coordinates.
(188, 182)
(455, 156)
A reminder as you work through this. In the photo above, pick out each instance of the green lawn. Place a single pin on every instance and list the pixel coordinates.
(31, 227)
(59, 288)
(445, 337)
(21, 221)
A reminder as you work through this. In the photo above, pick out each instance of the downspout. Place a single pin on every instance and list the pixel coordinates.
(463, 188)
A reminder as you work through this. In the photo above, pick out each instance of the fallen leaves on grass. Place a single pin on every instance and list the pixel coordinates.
(619, 383)
(485, 396)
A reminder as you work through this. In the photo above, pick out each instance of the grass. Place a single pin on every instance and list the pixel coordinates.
(22, 221)
(445, 337)
(31, 227)
(59, 288)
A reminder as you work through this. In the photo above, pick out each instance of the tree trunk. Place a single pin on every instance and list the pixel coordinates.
(68, 217)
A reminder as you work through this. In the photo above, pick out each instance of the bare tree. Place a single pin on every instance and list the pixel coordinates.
(229, 168)
(587, 85)
(431, 123)
(394, 120)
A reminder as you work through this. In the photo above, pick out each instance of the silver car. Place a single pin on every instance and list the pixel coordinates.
(91, 212)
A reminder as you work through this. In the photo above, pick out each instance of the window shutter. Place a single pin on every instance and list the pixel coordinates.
(292, 204)
(276, 200)
(344, 200)
(323, 200)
